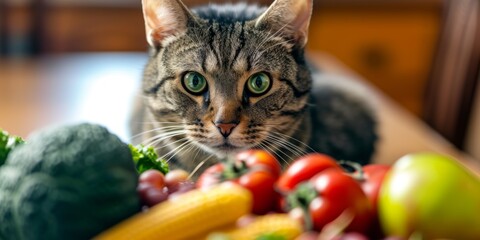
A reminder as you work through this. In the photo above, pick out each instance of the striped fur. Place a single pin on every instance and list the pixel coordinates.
(227, 44)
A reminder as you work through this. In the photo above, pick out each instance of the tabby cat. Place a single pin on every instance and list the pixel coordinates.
(224, 78)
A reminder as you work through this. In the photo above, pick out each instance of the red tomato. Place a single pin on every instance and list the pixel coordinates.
(303, 169)
(371, 181)
(327, 195)
(256, 170)
(260, 157)
(371, 178)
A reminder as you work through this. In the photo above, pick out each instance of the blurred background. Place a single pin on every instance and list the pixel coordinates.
(424, 54)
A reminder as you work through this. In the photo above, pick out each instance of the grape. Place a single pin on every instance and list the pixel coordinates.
(142, 190)
(153, 177)
(173, 179)
(183, 187)
(154, 196)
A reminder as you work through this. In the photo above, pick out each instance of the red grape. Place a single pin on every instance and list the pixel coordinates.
(153, 177)
(154, 196)
(182, 188)
(142, 190)
(174, 178)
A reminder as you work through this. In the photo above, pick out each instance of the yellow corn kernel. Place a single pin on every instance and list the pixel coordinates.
(187, 216)
(279, 225)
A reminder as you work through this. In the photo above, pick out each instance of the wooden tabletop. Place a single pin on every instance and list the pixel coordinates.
(62, 89)
(100, 88)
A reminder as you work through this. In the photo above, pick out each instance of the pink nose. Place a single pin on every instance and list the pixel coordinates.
(225, 128)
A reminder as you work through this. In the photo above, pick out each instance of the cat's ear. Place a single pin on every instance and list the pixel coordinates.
(164, 19)
(288, 17)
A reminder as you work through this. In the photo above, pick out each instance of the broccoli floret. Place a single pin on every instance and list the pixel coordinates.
(7, 144)
(146, 158)
(67, 182)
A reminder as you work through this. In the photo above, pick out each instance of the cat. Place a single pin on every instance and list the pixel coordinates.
(224, 78)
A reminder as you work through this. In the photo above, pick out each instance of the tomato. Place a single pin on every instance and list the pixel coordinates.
(329, 194)
(371, 177)
(256, 170)
(430, 195)
(303, 169)
(371, 180)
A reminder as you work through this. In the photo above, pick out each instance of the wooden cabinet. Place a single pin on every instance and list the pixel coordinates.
(93, 29)
(391, 45)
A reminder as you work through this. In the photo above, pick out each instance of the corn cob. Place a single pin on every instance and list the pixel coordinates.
(187, 216)
(279, 225)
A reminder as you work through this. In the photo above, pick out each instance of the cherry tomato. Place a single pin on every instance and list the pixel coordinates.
(329, 194)
(303, 169)
(258, 157)
(371, 180)
(256, 170)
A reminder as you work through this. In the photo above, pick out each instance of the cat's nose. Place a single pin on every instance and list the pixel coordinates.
(225, 128)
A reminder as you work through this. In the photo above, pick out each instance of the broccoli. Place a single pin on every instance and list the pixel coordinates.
(7, 144)
(68, 182)
(146, 158)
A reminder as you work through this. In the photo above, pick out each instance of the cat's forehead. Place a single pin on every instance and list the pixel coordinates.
(222, 45)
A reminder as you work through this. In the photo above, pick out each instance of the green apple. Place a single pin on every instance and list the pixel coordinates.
(432, 196)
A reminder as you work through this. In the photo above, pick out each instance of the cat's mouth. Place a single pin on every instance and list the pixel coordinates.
(227, 147)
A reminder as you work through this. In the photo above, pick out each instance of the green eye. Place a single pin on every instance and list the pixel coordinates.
(194, 83)
(259, 83)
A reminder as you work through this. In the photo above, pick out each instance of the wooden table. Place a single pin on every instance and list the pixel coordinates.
(100, 88)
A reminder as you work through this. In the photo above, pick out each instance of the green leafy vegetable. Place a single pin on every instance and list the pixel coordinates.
(7, 143)
(146, 158)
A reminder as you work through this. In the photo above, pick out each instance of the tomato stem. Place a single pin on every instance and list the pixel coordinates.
(303, 195)
(234, 169)
(353, 169)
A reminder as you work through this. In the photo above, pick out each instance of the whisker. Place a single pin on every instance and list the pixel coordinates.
(184, 149)
(272, 150)
(174, 151)
(167, 144)
(294, 149)
(199, 166)
(294, 139)
(287, 157)
(156, 129)
(158, 138)
(282, 142)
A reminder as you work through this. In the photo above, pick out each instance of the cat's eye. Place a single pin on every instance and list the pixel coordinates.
(259, 83)
(194, 83)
